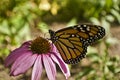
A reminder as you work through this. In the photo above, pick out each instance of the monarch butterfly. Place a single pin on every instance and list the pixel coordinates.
(72, 42)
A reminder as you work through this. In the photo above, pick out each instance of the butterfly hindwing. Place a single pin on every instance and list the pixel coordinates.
(71, 51)
(72, 42)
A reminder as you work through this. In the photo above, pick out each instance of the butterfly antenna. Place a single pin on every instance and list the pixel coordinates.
(47, 36)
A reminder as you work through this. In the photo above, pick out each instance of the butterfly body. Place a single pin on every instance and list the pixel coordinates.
(72, 42)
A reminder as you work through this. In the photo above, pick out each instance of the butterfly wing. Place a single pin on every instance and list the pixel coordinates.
(72, 42)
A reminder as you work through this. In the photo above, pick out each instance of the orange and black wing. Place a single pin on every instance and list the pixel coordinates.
(72, 42)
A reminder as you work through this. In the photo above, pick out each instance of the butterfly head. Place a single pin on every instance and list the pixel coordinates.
(52, 35)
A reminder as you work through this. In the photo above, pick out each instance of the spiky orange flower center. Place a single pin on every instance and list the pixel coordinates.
(40, 46)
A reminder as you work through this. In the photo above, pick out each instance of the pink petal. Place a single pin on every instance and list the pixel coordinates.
(49, 67)
(15, 54)
(37, 69)
(52, 64)
(23, 63)
(63, 66)
(53, 48)
(55, 51)
(20, 60)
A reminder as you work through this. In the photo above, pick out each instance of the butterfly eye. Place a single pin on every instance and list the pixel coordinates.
(72, 42)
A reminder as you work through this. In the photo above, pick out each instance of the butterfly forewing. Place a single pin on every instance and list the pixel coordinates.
(72, 42)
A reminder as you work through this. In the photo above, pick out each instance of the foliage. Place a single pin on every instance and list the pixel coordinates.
(104, 66)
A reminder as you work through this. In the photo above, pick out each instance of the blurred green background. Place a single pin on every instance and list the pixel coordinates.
(22, 20)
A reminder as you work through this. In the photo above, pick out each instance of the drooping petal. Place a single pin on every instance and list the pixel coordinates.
(55, 51)
(37, 69)
(49, 67)
(23, 63)
(16, 53)
(63, 66)
(53, 48)
(20, 60)
(52, 64)
(57, 58)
